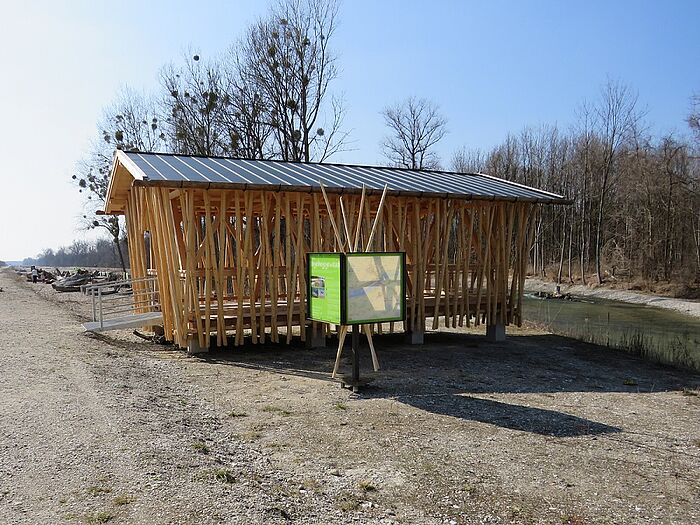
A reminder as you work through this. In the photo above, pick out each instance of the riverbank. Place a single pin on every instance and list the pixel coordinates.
(685, 306)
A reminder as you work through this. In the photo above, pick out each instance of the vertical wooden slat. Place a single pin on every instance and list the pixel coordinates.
(274, 298)
(240, 267)
(220, 282)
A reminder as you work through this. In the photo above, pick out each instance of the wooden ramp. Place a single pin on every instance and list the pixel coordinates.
(124, 322)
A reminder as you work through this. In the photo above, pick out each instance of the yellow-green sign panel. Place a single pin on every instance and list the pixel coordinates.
(356, 288)
(324, 287)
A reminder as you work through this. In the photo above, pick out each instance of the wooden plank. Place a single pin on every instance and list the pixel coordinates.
(250, 259)
(288, 259)
(240, 265)
(373, 231)
(303, 198)
(207, 269)
(172, 260)
(358, 226)
(341, 341)
(275, 269)
(341, 246)
(221, 282)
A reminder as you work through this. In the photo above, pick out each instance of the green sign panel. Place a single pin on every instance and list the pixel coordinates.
(324, 287)
(356, 288)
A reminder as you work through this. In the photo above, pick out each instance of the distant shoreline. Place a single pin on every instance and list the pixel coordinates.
(684, 306)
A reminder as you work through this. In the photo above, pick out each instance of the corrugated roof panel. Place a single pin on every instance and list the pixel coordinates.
(215, 175)
(195, 170)
(228, 171)
(186, 167)
(336, 177)
(261, 177)
(148, 169)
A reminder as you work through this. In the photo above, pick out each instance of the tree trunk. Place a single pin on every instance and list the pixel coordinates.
(599, 230)
(119, 252)
(571, 242)
(561, 252)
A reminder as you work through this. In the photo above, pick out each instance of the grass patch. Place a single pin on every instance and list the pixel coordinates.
(629, 382)
(276, 410)
(696, 442)
(573, 519)
(691, 392)
(311, 485)
(200, 446)
(123, 499)
(236, 413)
(366, 486)
(249, 435)
(103, 516)
(340, 406)
(348, 502)
(223, 475)
(96, 490)
(470, 489)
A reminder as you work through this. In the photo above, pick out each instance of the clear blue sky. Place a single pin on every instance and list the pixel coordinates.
(493, 67)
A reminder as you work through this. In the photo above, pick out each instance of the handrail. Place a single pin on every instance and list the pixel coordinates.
(114, 302)
(107, 284)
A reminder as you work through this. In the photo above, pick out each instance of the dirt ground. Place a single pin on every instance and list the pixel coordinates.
(540, 429)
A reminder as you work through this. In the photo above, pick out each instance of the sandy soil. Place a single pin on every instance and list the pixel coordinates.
(540, 429)
(686, 306)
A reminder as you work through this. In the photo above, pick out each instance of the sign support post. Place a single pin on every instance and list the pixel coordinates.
(354, 287)
(355, 355)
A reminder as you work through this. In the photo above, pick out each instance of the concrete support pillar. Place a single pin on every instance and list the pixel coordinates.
(193, 347)
(414, 337)
(496, 333)
(315, 337)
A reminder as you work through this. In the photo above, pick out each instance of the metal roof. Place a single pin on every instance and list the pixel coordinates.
(191, 171)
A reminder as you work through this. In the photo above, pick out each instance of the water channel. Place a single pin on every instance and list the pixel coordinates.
(655, 333)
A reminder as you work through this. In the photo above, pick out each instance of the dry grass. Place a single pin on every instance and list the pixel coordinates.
(103, 516)
(366, 486)
(200, 446)
(96, 490)
(276, 410)
(123, 499)
(348, 502)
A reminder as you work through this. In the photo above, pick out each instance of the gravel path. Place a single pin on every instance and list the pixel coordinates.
(538, 430)
(92, 430)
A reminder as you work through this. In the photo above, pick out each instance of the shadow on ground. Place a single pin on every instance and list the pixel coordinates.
(452, 373)
(507, 415)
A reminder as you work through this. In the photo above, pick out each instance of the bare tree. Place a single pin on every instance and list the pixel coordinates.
(286, 58)
(694, 116)
(617, 119)
(195, 105)
(467, 160)
(129, 123)
(415, 127)
(246, 118)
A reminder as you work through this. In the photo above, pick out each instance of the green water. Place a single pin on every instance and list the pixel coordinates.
(654, 333)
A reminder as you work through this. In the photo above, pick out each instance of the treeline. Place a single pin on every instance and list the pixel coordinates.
(266, 97)
(101, 253)
(636, 211)
(636, 198)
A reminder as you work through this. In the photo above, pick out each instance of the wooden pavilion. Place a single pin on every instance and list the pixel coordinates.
(227, 240)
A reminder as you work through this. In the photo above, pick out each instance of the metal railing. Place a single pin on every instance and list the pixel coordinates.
(133, 296)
